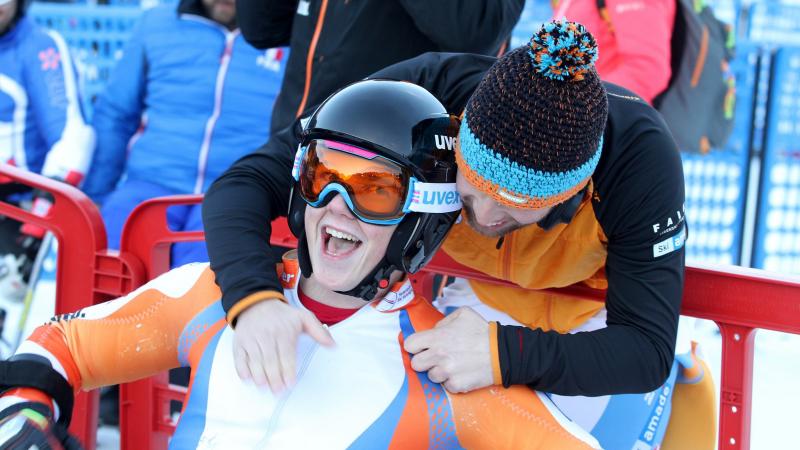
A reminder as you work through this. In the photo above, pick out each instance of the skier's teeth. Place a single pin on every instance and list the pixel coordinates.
(341, 235)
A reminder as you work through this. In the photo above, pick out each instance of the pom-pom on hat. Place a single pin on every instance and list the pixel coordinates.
(532, 132)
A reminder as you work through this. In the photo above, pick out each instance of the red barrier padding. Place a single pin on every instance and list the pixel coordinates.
(76, 224)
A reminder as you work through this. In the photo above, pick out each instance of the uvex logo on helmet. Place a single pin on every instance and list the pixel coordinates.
(444, 142)
(436, 197)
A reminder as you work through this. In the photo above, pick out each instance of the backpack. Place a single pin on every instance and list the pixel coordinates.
(699, 100)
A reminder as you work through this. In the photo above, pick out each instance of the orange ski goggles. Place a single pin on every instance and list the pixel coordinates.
(376, 189)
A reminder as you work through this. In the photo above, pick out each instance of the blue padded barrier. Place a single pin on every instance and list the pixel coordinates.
(773, 22)
(124, 3)
(716, 182)
(96, 36)
(534, 14)
(144, 4)
(778, 225)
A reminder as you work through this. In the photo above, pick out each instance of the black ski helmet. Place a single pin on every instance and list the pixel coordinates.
(408, 125)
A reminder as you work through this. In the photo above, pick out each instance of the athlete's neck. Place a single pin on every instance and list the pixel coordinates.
(312, 288)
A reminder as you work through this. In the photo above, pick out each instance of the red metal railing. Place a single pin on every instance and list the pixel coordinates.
(738, 300)
(86, 272)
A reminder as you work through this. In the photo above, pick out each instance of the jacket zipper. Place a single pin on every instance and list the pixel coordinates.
(312, 48)
(273, 422)
(505, 257)
(202, 161)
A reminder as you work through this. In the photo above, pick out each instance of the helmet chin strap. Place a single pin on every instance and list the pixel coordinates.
(302, 255)
(376, 280)
(367, 289)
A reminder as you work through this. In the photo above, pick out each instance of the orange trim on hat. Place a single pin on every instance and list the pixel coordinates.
(513, 199)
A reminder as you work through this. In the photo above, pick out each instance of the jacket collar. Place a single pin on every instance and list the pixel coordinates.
(398, 297)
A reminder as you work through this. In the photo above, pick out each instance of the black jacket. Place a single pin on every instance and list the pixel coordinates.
(350, 39)
(638, 182)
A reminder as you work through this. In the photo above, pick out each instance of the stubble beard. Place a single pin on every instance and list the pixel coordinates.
(512, 225)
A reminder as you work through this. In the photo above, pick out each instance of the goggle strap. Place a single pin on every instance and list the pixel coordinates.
(432, 197)
(298, 158)
(339, 189)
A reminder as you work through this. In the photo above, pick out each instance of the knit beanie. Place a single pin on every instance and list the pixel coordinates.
(532, 132)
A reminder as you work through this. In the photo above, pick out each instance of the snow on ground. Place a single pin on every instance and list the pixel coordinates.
(107, 438)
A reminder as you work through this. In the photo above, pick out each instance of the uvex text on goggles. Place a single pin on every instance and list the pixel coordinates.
(376, 189)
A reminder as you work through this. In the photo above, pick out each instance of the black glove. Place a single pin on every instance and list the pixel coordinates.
(27, 426)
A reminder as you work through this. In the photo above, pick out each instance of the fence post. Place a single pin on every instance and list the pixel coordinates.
(736, 392)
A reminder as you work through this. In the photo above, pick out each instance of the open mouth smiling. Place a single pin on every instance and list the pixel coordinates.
(338, 243)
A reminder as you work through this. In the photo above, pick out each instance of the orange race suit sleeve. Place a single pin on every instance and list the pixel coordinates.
(129, 338)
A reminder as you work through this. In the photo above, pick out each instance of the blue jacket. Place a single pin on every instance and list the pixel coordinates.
(42, 126)
(186, 100)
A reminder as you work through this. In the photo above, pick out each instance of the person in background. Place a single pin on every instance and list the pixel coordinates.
(634, 38)
(42, 129)
(334, 43)
(188, 98)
